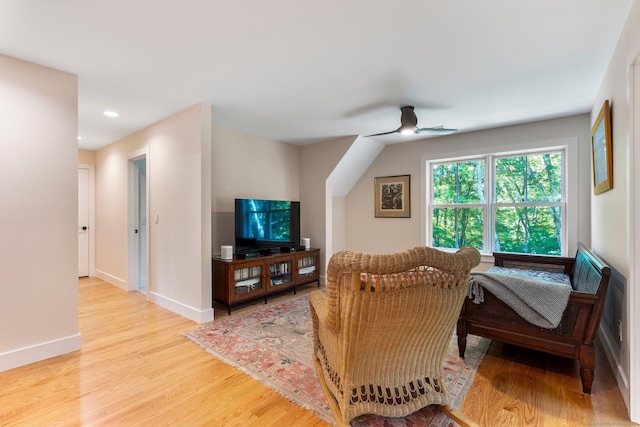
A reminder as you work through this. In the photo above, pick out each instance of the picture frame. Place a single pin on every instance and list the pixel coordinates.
(602, 151)
(392, 196)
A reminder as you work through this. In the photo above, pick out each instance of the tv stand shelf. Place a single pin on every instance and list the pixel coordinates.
(239, 280)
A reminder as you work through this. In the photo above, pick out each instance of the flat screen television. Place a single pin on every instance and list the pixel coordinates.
(264, 224)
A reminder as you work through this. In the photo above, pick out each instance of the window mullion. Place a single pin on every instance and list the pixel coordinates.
(489, 203)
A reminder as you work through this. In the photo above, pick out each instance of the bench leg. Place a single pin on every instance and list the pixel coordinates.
(462, 336)
(587, 361)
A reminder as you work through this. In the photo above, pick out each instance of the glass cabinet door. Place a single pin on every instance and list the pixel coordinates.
(280, 273)
(307, 267)
(247, 279)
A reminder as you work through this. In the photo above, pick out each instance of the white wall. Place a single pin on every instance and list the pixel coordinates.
(39, 215)
(179, 175)
(338, 224)
(612, 217)
(387, 235)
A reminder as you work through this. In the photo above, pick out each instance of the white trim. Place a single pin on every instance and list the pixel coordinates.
(632, 394)
(191, 313)
(115, 281)
(41, 351)
(92, 216)
(425, 180)
(328, 215)
(132, 180)
(610, 352)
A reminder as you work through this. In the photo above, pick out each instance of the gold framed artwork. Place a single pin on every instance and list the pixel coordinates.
(393, 196)
(601, 151)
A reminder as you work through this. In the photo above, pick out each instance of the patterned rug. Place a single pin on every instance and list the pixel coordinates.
(273, 345)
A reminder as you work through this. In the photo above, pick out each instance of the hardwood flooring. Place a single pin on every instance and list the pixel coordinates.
(135, 369)
(520, 387)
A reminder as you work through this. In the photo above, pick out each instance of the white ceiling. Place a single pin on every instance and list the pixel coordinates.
(302, 71)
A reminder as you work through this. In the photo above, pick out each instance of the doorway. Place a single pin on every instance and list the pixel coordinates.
(86, 240)
(138, 225)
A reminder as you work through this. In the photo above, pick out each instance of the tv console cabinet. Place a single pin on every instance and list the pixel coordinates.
(239, 280)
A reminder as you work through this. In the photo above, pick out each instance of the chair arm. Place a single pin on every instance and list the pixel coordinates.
(319, 305)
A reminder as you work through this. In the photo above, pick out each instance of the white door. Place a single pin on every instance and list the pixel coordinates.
(83, 222)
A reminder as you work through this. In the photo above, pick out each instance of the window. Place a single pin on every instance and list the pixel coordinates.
(509, 203)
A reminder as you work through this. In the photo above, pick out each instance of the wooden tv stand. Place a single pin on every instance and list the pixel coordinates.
(240, 280)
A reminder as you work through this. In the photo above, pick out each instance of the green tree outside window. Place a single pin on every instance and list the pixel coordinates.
(517, 207)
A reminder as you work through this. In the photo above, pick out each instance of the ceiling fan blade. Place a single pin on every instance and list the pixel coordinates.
(436, 129)
(383, 133)
(409, 124)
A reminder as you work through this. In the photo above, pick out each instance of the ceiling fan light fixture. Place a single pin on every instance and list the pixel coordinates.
(407, 130)
(409, 124)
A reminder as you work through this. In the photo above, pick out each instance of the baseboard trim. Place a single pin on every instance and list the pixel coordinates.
(614, 362)
(38, 352)
(116, 281)
(199, 316)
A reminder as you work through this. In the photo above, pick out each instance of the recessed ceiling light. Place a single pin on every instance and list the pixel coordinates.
(111, 114)
(79, 138)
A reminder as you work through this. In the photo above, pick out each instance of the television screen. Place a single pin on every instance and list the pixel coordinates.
(266, 223)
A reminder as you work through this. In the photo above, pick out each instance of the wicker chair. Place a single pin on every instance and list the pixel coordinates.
(383, 327)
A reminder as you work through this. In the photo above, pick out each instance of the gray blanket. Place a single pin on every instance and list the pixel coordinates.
(537, 300)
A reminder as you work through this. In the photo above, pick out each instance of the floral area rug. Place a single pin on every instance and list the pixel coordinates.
(273, 345)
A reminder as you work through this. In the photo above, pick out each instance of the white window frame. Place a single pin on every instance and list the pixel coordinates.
(570, 188)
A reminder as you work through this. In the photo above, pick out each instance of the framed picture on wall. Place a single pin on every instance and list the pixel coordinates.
(392, 196)
(601, 151)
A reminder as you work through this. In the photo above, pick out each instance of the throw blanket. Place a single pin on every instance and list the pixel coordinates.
(539, 298)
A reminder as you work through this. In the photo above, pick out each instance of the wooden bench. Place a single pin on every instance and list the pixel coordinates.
(573, 337)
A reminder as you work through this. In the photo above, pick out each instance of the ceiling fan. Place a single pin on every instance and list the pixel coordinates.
(409, 124)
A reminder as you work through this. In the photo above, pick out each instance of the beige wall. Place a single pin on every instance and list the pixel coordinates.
(611, 211)
(364, 232)
(350, 222)
(38, 222)
(87, 157)
(317, 161)
(247, 166)
(179, 175)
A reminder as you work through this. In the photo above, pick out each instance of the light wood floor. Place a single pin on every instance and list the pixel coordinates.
(135, 369)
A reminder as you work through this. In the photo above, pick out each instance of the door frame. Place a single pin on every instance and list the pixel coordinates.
(92, 216)
(132, 243)
(633, 295)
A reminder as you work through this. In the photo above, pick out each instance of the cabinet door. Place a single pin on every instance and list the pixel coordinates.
(280, 273)
(247, 281)
(308, 267)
